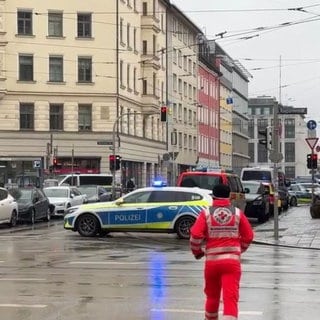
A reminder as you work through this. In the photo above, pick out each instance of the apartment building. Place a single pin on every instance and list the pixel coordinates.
(182, 51)
(77, 75)
(292, 134)
(209, 106)
(224, 64)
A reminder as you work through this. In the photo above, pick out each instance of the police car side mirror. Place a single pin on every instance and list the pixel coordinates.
(119, 202)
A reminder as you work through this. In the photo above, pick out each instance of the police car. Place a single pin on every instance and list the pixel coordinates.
(151, 209)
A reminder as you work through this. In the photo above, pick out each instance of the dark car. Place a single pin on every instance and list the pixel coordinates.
(95, 193)
(257, 201)
(32, 204)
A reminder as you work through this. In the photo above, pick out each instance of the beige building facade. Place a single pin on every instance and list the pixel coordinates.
(183, 62)
(76, 74)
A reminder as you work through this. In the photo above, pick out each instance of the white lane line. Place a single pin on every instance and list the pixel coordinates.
(14, 305)
(104, 262)
(22, 279)
(244, 313)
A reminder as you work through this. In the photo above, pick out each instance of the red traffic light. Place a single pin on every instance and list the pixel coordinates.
(164, 110)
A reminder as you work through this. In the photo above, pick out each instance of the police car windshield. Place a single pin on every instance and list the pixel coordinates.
(258, 175)
(203, 181)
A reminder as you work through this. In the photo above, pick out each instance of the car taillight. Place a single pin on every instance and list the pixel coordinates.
(271, 199)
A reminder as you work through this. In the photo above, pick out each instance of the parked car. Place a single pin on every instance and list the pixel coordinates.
(257, 201)
(152, 209)
(8, 208)
(95, 193)
(270, 191)
(33, 204)
(64, 197)
(301, 193)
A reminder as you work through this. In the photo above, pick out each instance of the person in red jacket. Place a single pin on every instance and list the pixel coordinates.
(221, 233)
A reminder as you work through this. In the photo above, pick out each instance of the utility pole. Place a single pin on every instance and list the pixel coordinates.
(275, 157)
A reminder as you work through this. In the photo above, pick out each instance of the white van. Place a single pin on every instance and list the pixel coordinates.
(85, 179)
(99, 179)
(263, 174)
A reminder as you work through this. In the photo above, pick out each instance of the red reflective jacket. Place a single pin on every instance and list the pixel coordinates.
(224, 231)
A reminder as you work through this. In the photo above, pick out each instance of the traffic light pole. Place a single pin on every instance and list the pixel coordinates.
(275, 150)
(312, 175)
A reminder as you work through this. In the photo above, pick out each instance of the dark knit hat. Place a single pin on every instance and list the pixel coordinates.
(221, 191)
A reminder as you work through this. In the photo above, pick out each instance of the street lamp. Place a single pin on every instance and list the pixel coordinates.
(114, 144)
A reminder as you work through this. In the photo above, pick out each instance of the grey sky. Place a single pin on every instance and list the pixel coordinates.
(298, 45)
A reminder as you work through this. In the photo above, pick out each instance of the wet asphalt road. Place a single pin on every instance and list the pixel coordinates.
(48, 273)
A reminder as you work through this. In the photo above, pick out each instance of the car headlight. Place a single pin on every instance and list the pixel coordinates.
(60, 204)
(72, 209)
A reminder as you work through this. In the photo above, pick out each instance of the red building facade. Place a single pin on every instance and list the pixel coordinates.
(208, 113)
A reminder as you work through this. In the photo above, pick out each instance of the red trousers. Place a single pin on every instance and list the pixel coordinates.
(222, 275)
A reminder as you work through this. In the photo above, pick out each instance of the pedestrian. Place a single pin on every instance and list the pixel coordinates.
(221, 233)
(130, 185)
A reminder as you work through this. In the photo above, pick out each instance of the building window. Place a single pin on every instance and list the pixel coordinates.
(25, 67)
(121, 72)
(144, 86)
(55, 69)
(25, 23)
(251, 128)
(55, 28)
(135, 39)
(289, 128)
(251, 151)
(84, 69)
(289, 151)
(84, 25)
(144, 47)
(262, 153)
(135, 79)
(128, 35)
(26, 116)
(290, 172)
(128, 76)
(85, 117)
(144, 8)
(56, 116)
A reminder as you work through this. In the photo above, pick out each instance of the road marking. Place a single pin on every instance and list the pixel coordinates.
(14, 305)
(22, 279)
(103, 262)
(244, 313)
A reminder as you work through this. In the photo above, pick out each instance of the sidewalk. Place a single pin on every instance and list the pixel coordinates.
(296, 229)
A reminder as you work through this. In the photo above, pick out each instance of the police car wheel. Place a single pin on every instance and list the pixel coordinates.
(88, 225)
(183, 225)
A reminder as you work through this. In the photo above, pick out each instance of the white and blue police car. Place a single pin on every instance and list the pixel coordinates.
(151, 209)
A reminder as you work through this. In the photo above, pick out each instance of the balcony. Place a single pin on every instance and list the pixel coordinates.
(150, 22)
(150, 61)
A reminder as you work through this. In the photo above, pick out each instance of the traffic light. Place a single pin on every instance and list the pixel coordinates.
(312, 161)
(164, 110)
(114, 162)
(267, 137)
(309, 164)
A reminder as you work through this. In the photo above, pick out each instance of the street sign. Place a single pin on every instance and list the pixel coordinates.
(104, 143)
(312, 142)
(311, 124)
(275, 157)
(36, 164)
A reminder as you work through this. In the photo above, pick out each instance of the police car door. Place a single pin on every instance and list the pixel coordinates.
(163, 207)
(132, 212)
